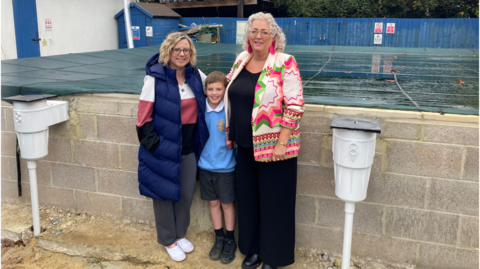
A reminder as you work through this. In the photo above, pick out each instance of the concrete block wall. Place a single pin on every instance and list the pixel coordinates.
(421, 209)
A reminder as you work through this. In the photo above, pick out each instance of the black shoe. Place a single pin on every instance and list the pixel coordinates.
(217, 249)
(266, 266)
(229, 248)
(251, 262)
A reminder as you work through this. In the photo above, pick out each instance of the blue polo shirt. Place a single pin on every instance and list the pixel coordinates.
(216, 156)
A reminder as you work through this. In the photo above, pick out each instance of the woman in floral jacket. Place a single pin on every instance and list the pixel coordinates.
(264, 102)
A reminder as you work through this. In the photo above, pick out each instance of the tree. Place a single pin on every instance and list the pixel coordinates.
(380, 8)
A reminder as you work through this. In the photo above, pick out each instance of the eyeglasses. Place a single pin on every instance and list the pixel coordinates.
(262, 33)
(185, 51)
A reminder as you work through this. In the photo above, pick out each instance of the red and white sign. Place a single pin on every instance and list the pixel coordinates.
(390, 28)
(48, 24)
(378, 27)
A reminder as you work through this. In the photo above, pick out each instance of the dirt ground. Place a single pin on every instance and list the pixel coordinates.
(78, 240)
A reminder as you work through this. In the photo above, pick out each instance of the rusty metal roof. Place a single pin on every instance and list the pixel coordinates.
(158, 10)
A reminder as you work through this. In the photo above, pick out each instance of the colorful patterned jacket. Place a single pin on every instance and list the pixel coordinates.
(278, 103)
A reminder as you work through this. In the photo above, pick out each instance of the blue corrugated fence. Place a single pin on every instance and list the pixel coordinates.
(413, 33)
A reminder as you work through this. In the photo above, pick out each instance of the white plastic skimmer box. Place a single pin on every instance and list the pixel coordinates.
(353, 152)
(32, 115)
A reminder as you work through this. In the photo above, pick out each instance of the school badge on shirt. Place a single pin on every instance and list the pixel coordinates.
(221, 125)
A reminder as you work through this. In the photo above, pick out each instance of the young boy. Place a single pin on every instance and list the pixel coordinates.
(217, 171)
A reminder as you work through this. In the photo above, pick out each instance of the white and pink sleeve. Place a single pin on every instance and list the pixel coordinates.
(146, 102)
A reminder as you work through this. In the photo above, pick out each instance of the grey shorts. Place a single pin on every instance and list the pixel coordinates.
(215, 186)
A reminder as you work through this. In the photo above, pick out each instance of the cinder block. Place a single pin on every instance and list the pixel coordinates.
(6, 168)
(5, 104)
(138, 209)
(467, 134)
(459, 197)
(60, 130)
(9, 144)
(315, 123)
(44, 172)
(310, 148)
(315, 180)
(381, 146)
(74, 177)
(312, 108)
(79, 126)
(8, 116)
(92, 105)
(117, 129)
(367, 217)
(305, 211)
(378, 161)
(326, 155)
(88, 125)
(2, 121)
(129, 109)
(422, 225)
(352, 111)
(200, 212)
(98, 204)
(129, 157)
(311, 236)
(96, 154)
(449, 117)
(400, 129)
(388, 113)
(60, 197)
(470, 170)
(10, 193)
(444, 257)
(394, 189)
(384, 248)
(59, 150)
(425, 159)
(13, 168)
(118, 182)
(469, 232)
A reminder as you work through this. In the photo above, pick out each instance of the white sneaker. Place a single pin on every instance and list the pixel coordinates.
(176, 253)
(185, 245)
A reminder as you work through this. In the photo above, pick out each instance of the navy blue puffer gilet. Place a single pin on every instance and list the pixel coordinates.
(158, 172)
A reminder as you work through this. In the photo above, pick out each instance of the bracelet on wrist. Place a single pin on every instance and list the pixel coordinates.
(283, 144)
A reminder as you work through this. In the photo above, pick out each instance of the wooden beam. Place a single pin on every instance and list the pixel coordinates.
(208, 3)
(240, 8)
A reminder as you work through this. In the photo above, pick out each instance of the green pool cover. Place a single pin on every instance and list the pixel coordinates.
(427, 78)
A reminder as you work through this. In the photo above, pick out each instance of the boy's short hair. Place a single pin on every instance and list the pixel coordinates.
(216, 76)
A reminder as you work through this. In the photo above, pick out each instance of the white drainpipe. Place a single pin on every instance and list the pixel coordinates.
(128, 24)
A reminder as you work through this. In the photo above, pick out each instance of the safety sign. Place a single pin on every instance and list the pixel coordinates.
(149, 30)
(377, 39)
(136, 32)
(390, 28)
(48, 25)
(379, 27)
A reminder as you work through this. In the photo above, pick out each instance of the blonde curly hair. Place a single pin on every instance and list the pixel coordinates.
(275, 30)
(170, 42)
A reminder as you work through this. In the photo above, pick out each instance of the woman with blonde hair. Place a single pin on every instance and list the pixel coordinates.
(172, 132)
(265, 103)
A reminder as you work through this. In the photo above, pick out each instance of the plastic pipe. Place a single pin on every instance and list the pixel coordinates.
(347, 235)
(32, 172)
(128, 24)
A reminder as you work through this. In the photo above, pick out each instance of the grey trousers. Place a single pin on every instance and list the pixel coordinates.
(172, 219)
